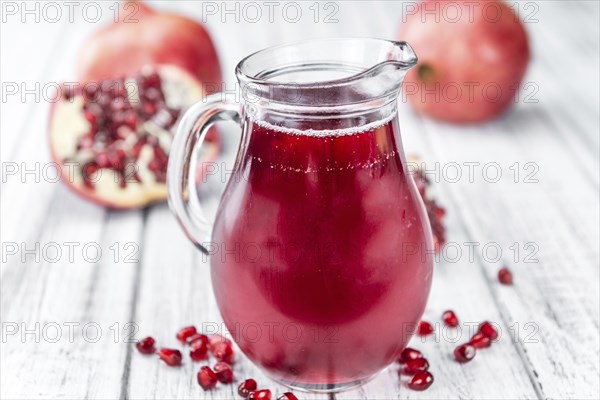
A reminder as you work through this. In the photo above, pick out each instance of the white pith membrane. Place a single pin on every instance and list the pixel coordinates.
(69, 126)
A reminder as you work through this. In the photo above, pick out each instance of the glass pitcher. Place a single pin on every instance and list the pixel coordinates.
(319, 249)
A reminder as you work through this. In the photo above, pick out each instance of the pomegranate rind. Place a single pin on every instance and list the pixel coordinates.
(144, 36)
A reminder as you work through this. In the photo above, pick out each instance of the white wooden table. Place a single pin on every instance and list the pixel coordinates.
(550, 212)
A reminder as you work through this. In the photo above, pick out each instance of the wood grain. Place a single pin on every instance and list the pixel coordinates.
(549, 318)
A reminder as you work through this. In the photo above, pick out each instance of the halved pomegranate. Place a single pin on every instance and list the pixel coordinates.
(112, 138)
(435, 212)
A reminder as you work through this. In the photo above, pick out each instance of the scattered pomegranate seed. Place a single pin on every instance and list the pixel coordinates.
(199, 350)
(215, 339)
(464, 353)
(207, 378)
(224, 372)
(488, 330)
(260, 395)
(197, 336)
(480, 341)
(505, 276)
(287, 396)
(185, 333)
(421, 381)
(450, 319)
(414, 366)
(146, 345)
(249, 385)
(224, 352)
(171, 357)
(424, 328)
(409, 354)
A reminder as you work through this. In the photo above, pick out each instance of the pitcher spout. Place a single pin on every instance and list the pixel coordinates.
(387, 74)
(327, 73)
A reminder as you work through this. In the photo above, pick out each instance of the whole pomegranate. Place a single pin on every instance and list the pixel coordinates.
(472, 58)
(143, 36)
(112, 138)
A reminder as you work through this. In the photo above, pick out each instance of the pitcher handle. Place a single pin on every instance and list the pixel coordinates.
(182, 194)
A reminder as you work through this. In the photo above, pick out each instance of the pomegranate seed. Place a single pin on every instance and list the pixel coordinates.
(215, 339)
(155, 165)
(146, 345)
(149, 108)
(137, 148)
(91, 90)
(249, 385)
(464, 353)
(118, 90)
(224, 372)
(260, 395)
(424, 328)
(224, 352)
(488, 330)
(505, 276)
(185, 333)
(85, 143)
(151, 80)
(90, 117)
(160, 154)
(287, 396)
(199, 350)
(118, 105)
(421, 381)
(171, 357)
(207, 378)
(116, 158)
(409, 354)
(480, 341)
(440, 212)
(89, 169)
(153, 94)
(450, 319)
(102, 160)
(414, 366)
(131, 120)
(197, 336)
(122, 182)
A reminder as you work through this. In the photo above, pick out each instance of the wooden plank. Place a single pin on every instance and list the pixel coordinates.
(573, 105)
(86, 292)
(558, 295)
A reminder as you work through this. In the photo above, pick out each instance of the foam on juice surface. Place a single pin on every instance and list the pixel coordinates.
(326, 132)
(326, 136)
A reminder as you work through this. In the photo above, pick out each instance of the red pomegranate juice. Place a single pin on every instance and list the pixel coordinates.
(319, 257)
